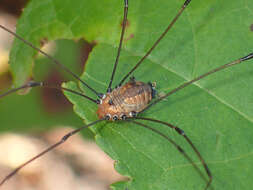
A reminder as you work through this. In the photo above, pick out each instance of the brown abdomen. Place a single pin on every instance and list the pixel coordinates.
(132, 97)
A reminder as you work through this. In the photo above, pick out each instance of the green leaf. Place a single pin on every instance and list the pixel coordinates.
(40, 113)
(216, 113)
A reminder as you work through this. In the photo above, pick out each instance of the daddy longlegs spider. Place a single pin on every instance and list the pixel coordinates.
(131, 106)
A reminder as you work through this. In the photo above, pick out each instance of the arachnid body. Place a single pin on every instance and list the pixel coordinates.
(126, 100)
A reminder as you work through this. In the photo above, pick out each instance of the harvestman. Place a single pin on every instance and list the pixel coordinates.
(126, 101)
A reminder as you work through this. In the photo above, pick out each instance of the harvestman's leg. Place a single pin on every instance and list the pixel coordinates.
(179, 148)
(55, 61)
(186, 3)
(32, 84)
(233, 63)
(63, 139)
(182, 133)
(109, 89)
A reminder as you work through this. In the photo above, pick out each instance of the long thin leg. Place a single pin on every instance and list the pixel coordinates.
(41, 84)
(51, 58)
(63, 139)
(179, 148)
(186, 3)
(248, 57)
(109, 89)
(182, 133)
